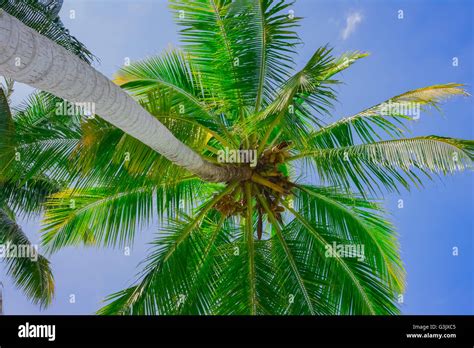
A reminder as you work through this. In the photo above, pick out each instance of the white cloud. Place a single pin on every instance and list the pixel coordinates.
(352, 21)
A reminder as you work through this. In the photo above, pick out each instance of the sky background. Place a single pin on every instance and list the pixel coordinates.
(407, 53)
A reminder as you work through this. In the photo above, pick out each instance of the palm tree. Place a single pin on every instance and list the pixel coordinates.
(236, 238)
(22, 197)
(25, 196)
(33, 59)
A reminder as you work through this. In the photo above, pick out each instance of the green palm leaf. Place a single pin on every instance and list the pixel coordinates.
(357, 219)
(111, 215)
(385, 162)
(175, 76)
(168, 276)
(32, 275)
(368, 124)
(292, 110)
(276, 41)
(352, 282)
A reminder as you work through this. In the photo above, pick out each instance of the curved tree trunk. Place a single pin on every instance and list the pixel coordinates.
(28, 57)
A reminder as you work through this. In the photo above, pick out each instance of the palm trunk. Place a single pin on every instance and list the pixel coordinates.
(28, 57)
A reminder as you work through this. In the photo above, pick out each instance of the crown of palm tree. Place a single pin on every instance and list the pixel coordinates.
(235, 238)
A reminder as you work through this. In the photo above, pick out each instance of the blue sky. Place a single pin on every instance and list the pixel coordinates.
(406, 53)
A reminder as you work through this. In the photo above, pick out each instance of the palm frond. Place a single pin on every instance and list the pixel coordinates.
(370, 124)
(291, 115)
(27, 197)
(98, 216)
(40, 142)
(245, 284)
(290, 257)
(111, 215)
(175, 76)
(359, 220)
(31, 274)
(352, 284)
(250, 249)
(276, 41)
(236, 46)
(390, 163)
(44, 20)
(171, 269)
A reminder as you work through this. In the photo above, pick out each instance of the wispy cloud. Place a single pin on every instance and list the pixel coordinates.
(352, 21)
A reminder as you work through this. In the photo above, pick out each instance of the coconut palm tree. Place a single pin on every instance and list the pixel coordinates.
(236, 238)
(24, 196)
